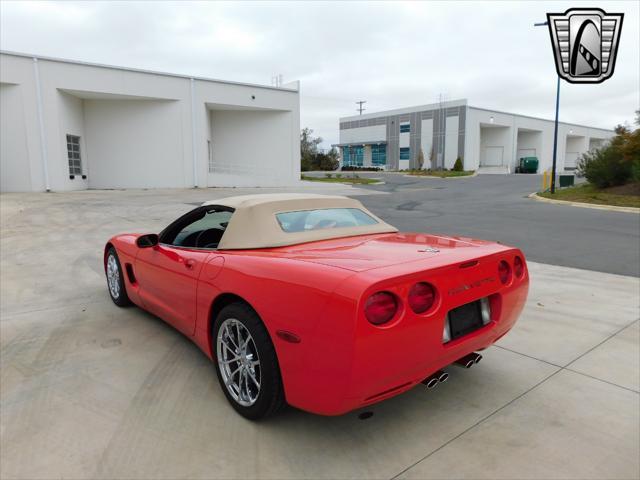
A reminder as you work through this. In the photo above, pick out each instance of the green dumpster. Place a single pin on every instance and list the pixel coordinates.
(527, 165)
(566, 180)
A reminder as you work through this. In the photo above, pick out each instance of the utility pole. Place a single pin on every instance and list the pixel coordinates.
(360, 107)
(555, 126)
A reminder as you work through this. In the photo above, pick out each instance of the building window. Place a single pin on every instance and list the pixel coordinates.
(210, 156)
(405, 153)
(378, 155)
(73, 155)
(353, 156)
(405, 127)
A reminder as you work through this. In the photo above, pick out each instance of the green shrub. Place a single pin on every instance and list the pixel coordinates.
(328, 175)
(458, 166)
(635, 170)
(338, 175)
(616, 163)
(605, 167)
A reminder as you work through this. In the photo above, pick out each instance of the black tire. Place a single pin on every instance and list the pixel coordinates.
(121, 299)
(270, 398)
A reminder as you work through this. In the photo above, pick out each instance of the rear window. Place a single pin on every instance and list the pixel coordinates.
(306, 220)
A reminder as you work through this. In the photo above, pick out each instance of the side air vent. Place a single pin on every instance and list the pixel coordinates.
(132, 278)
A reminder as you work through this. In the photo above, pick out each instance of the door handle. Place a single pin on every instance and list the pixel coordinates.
(189, 263)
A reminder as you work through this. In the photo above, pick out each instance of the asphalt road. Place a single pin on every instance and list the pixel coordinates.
(496, 207)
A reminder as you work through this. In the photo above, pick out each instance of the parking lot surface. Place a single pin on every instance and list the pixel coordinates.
(89, 390)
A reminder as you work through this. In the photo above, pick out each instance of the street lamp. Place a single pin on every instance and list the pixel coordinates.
(555, 129)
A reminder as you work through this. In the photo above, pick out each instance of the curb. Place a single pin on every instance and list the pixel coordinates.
(595, 206)
(475, 174)
(320, 183)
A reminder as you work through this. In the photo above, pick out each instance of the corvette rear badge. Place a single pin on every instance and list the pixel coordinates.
(585, 43)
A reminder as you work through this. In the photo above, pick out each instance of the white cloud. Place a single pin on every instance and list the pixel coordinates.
(390, 54)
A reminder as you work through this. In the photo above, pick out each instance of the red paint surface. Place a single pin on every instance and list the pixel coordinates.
(317, 291)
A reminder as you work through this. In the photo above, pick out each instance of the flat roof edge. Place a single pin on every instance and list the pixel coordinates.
(540, 118)
(151, 72)
(405, 110)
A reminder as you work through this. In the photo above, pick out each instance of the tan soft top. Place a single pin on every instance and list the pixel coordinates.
(254, 223)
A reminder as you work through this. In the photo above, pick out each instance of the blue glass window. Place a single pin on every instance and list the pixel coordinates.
(352, 156)
(378, 155)
(405, 128)
(405, 153)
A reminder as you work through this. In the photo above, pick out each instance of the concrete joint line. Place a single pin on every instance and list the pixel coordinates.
(499, 409)
(560, 369)
(602, 342)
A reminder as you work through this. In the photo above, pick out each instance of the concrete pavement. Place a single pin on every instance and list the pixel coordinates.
(89, 390)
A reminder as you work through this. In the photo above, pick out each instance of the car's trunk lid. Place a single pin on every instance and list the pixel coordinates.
(367, 252)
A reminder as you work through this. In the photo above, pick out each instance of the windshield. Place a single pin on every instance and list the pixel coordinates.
(305, 220)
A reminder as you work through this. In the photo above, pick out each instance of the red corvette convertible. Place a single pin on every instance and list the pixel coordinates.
(314, 301)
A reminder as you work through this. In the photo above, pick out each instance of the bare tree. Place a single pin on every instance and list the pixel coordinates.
(420, 159)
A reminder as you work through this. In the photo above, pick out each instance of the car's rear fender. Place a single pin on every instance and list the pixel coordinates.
(289, 296)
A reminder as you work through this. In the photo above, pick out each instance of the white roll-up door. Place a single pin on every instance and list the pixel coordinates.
(492, 156)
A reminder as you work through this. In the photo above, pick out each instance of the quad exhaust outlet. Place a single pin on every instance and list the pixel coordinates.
(469, 361)
(433, 380)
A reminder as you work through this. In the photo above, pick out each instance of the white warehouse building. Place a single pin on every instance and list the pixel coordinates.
(485, 140)
(68, 125)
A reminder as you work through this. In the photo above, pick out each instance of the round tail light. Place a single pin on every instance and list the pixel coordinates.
(380, 308)
(504, 272)
(421, 297)
(518, 267)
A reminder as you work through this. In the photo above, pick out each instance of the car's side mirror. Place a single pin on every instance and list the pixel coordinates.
(149, 240)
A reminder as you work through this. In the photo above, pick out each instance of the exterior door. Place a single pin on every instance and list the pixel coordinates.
(525, 152)
(570, 160)
(492, 156)
(168, 279)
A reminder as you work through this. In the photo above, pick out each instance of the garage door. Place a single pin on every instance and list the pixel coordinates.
(526, 152)
(570, 160)
(492, 156)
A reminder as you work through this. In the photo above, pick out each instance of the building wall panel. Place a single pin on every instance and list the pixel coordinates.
(248, 148)
(374, 133)
(451, 141)
(70, 121)
(134, 144)
(426, 140)
(15, 169)
(173, 132)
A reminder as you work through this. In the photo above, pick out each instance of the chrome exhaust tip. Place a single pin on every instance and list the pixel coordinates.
(469, 361)
(442, 376)
(431, 381)
(465, 362)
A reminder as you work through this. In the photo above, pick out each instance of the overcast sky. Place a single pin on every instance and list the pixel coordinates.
(392, 55)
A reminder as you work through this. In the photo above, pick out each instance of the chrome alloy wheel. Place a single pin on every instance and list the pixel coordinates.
(238, 362)
(113, 276)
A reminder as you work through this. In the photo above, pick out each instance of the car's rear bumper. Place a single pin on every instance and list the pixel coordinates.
(381, 364)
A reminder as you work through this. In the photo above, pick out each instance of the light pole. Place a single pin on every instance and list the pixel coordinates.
(555, 127)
